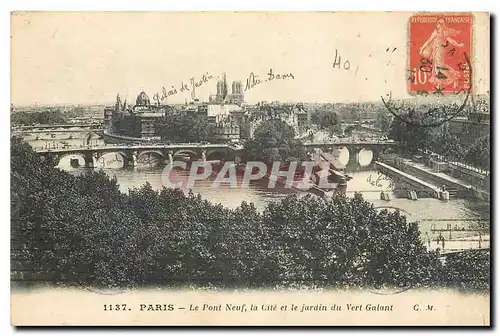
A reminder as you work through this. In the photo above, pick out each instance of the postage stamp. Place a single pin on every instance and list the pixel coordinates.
(440, 46)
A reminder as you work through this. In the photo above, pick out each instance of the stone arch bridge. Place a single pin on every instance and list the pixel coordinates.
(354, 148)
(133, 154)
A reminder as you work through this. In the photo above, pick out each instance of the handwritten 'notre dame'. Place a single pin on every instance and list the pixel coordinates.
(254, 79)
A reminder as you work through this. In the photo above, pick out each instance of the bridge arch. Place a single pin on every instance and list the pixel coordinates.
(125, 155)
(105, 160)
(344, 154)
(217, 154)
(365, 156)
(193, 155)
(142, 156)
(155, 152)
(61, 157)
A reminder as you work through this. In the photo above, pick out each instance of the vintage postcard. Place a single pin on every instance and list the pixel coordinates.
(250, 168)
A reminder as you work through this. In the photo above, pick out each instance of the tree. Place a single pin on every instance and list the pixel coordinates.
(384, 121)
(128, 125)
(448, 144)
(410, 130)
(335, 129)
(327, 120)
(324, 118)
(469, 271)
(70, 230)
(479, 153)
(47, 117)
(343, 242)
(354, 113)
(184, 128)
(349, 129)
(274, 140)
(82, 231)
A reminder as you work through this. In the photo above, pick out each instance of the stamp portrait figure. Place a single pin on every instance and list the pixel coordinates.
(439, 48)
(434, 49)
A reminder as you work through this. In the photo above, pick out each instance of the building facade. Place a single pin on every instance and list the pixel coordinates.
(139, 121)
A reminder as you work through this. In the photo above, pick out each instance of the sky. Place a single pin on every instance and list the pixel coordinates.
(89, 57)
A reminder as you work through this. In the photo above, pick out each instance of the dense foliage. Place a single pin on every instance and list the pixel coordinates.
(274, 140)
(407, 130)
(448, 144)
(465, 147)
(468, 271)
(384, 121)
(327, 120)
(128, 125)
(81, 230)
(44, 117)
(479, 153)
(184, 128)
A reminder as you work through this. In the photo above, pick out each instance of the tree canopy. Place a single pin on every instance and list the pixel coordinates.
(478, 153)
(384, 120)
(407, 129)
(82, 231)
(49, 117)
(327, 120)
(274, 140)
(184, 128)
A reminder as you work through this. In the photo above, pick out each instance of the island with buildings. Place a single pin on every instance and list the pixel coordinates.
(228, 117)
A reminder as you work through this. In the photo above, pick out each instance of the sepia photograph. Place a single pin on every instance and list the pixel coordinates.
(250, 168)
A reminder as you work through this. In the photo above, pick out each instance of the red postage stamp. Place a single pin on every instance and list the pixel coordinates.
(440, 48)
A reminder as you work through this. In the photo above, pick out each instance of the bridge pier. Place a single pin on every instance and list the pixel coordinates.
(170, 158)
(376, 154)
(129, 159)
(89, 160)
(132, 160)
(353, 163)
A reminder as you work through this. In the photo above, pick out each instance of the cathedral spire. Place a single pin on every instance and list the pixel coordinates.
(118, 104)
(225, 86)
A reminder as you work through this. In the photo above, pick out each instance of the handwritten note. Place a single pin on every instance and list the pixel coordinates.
(185, 86)
(376, 182)
(254, 79)
(105, 162)
(344, 65)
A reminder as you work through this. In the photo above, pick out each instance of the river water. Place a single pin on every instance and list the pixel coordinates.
(430, 212)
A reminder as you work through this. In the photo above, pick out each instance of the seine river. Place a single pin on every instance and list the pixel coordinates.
(429, 212)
